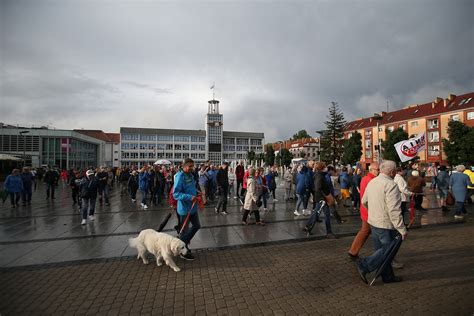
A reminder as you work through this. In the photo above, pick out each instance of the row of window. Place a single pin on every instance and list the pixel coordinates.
(242, 148)
(432, 124)
(157, 147)
(166, 138)
(132, 155)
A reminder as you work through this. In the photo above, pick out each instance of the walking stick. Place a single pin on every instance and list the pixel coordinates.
(390, 254)
(412, 211)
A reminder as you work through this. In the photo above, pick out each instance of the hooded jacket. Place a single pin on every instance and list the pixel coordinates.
(183, 191)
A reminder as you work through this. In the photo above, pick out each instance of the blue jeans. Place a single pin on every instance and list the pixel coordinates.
(460, 208)
(321, 206)
(192, 226)
(301, 200)
(88, 204)
(144, 194)
(382, 239)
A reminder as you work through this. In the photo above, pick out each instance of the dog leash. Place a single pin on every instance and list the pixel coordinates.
(187, 217)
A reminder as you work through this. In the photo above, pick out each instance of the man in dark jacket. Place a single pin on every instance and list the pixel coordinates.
(239, 175)
(222, 180)
(321, 190)
(51, 178)
(89, 186)
(103, 177)
(123, 179)
(26, 193)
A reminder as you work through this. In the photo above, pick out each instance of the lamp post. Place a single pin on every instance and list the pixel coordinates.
(279, 155)
(24, 145)
(320, 132)
(378, 118)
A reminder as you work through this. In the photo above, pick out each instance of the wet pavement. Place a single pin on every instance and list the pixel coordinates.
(49, 231)
(303, 278)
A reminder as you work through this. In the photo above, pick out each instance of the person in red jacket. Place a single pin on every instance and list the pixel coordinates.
(244, 185)
(239, 175)
(364, 230)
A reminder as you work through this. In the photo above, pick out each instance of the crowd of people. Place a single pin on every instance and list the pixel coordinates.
(381, 196)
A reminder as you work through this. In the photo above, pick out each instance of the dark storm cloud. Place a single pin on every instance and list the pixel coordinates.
(277, 65)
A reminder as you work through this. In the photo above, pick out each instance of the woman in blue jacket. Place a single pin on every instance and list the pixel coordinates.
(458, 182)
(14, 186)
(143, 185)
(302, 190)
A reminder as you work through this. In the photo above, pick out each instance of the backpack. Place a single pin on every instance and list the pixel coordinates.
(171, 200)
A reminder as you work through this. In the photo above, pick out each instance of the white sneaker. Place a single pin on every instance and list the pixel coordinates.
(91, 217)
(235, 197)
(309, 212)
(297, 213)
(275, 200)
(83, 222)
(265, 209)
(133, 200)
(142, 205)
(145, 206)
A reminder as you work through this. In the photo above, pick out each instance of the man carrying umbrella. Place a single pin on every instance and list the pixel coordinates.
(382, 199)
(185, 193)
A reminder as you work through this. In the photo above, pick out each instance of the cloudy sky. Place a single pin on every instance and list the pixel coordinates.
(277, 65)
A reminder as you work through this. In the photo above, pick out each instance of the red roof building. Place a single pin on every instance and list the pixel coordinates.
(309, 146)
(431, 118)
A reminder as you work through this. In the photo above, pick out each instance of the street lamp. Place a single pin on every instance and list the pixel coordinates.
(320, 132)
(24, 145)
(378, 118)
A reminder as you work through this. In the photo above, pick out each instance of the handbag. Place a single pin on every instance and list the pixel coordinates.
(329, 199)
(450, 199)
(4, 195)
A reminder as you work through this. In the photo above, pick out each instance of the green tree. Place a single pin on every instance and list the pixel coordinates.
(251, 156)
(332, 137)
(388, 145)
(286, 157)
(352, 149)
(270, 155)
(459, 148)
(301, 134)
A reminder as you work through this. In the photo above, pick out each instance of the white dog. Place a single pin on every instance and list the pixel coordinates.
(161, 245)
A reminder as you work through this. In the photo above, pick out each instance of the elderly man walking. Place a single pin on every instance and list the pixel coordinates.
(382, 198)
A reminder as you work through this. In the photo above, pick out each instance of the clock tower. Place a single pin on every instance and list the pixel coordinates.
(214, 127)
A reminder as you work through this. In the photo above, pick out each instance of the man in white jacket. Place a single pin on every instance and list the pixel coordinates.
(404, 192)
(382, 199)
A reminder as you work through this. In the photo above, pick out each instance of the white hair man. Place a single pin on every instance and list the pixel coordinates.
(382, 198)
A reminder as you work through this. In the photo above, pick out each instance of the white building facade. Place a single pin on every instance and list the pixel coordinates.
(144, 146)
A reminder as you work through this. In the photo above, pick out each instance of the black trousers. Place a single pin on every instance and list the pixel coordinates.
(239, 185)
(246, 215)
(418, 201)
(223, 192)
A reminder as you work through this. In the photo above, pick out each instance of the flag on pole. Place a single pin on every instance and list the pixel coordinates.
(408, 149)
(213, 85)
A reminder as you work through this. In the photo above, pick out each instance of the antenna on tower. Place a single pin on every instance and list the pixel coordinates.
(213, 90)
(387, 106)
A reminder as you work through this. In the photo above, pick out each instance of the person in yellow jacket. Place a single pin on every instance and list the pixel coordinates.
(470, 189)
